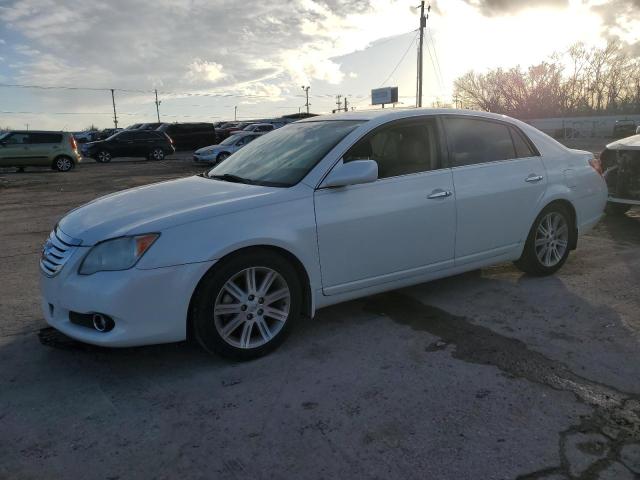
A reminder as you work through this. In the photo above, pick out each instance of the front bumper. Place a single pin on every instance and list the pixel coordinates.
(198, 157)
(147, 306)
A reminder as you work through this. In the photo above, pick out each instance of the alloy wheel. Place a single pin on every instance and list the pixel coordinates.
(252, 307)
(552, 239)
(104, 157)
(157, 154)
(63, 164)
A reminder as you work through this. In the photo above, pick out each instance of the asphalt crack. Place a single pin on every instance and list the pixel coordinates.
(613, 425)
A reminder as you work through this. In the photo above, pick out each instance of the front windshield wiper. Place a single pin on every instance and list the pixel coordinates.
(229, 177)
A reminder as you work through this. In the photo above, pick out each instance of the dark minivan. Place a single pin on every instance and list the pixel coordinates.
(150, 144)
(190, 136)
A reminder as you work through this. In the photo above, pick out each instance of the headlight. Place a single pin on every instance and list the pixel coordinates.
(117, 254)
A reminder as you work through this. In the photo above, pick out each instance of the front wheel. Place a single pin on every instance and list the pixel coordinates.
(547, 246)
(156, 154)
(246, 306)
(63, 164)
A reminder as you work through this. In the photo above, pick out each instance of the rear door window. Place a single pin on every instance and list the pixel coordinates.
(523, 148)
(35, 138)
(474, 140)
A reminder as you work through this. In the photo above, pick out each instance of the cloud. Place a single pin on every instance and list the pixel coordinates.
(621, 20)
(507, 7)
(200, 70)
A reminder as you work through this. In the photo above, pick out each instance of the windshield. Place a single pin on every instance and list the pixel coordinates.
(229, 140)
(286, 155)
(3, 134)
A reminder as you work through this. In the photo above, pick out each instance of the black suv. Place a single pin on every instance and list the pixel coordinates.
(130, 143)
(190, 136)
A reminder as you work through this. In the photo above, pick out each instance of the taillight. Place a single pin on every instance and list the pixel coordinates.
(72, 141)
(596, 165)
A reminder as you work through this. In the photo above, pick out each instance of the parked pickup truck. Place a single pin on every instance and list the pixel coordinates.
(620, 163)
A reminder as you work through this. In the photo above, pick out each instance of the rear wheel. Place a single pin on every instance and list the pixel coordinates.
(156, 154)
(617, 208)
(222, 156)
(104, 156)
(547, 246)
(246, 306)
(63, 164)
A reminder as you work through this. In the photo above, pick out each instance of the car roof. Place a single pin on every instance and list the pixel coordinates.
(386, 114)
(35, 131)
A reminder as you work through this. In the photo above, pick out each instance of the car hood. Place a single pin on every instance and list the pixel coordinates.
(629, 143)
(155, 207)
(214, 148)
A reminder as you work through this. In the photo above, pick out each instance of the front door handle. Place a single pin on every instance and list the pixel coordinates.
(439, 194)
(533, 178)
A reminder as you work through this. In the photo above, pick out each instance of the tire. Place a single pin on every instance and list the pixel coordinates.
(545, 253)
(617, 209)
(103, 156)
(156, 154)
(222, 156)
(237, 325)
(63, 163)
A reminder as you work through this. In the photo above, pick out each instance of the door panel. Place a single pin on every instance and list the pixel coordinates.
(496, 205)
(377, 232)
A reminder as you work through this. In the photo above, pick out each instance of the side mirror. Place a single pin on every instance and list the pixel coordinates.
(352, 173)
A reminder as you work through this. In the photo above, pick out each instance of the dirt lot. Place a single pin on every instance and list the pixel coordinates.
(487, 375)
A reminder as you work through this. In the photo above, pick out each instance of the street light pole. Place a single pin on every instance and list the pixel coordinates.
(306, 90)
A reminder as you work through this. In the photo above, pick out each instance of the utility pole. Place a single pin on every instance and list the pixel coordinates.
(346, 105)
(235, 113)
(157, 106)
(306, 90)
(338, 103)
(423, 24)
(115, 116)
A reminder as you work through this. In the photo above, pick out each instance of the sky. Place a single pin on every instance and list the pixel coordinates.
(207, 57)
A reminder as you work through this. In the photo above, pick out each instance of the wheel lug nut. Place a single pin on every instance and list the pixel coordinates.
(250, 316)
(243, 308)
(260, 312)
(261, 300)
(251, 297)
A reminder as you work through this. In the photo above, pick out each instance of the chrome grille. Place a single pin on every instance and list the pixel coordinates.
(56, 251)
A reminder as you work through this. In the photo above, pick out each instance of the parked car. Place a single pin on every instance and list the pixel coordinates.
(225, 130)
(621, 169)
(152, 145)
(87, 136)
(259, 127)
(107, 132)
(624, 128)
(35, 148)
(316, 213)
(218, 153)
(638, 130)
(190, 136)
(150, 126)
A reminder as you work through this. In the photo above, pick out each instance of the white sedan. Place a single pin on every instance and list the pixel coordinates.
(316, 213)
(217, 153)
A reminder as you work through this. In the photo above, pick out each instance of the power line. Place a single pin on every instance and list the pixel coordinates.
(435, 55)
(400, 61)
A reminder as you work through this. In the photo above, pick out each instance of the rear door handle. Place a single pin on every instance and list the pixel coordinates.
(439, 194)
(533, 178)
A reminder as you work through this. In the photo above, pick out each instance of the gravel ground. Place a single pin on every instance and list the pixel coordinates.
(486, 375)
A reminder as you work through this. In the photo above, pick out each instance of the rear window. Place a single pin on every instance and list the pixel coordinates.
(45, 137)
